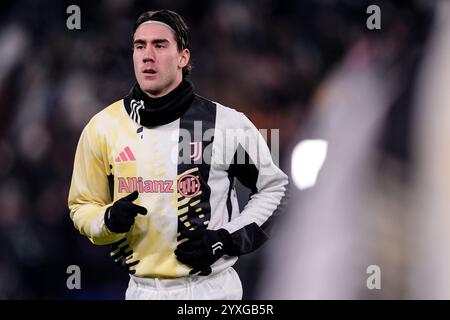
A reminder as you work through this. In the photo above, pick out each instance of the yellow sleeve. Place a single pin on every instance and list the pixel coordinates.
(89, 194)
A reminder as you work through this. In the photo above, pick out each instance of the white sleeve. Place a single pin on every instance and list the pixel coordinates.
(253, 166)
(89, 194)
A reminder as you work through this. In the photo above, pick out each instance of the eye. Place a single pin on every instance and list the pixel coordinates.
(159, 46)
(139, 46)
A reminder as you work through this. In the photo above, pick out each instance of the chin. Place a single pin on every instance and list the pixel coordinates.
(152, 90)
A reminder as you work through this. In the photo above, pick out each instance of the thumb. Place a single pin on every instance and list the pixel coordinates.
(131, 197)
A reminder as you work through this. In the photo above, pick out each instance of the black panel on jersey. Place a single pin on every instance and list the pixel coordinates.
(111, 184)
(201, 111)
(229, 204)
(120, 255)
(247, 174)
(250, 237)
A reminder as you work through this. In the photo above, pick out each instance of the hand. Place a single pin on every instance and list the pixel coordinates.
(120, 216)
(203, 248)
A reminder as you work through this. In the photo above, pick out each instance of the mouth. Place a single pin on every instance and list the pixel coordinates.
(148, 72)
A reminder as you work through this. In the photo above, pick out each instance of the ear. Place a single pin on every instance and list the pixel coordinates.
(184, 58)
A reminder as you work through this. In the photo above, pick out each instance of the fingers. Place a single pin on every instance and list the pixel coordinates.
(131, 197)
(205, 271)
(121, 215)
(188, 251)
(139, 209)
(190, 245)
(189, 254)
(201, 271)
(131, 210)
(194, 271)
(186, 257)
(194, 234)
(127, 204)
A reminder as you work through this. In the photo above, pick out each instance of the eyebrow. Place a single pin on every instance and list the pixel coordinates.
(154, 41)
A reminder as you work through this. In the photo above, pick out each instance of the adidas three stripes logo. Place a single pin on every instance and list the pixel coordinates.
(125, 155)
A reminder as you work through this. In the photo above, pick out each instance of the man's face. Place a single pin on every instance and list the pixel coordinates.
(157, 63)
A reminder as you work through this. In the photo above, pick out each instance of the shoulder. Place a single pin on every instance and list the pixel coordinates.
(223, 112)
(107, 118)
(110, 113)
(204, 101)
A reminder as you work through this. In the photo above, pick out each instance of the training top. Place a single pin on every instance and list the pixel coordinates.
(185, 171)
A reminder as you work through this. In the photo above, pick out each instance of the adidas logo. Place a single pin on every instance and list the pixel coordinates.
(217, 246)
(125, 155)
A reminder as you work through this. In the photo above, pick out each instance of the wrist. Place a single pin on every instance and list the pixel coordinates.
(107, 218)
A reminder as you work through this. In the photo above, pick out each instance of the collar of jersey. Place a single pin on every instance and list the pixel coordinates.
(162, 110)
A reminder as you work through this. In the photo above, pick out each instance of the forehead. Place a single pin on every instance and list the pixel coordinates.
(150, 31)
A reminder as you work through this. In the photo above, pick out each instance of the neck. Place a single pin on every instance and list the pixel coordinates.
(160, 100)
(149, 111)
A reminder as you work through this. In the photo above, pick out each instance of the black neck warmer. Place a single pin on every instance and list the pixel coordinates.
(152, 112)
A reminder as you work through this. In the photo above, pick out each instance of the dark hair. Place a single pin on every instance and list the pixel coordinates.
(176, 22)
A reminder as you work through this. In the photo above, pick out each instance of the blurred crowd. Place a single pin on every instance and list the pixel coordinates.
(273, 60)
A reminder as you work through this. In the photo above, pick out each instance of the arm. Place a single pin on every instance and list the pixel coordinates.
(253, 166)
(89, 194)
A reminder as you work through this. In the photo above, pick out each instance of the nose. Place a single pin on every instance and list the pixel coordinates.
(149, 55)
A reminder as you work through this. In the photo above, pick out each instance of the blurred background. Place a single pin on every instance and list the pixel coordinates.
(363, 115)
